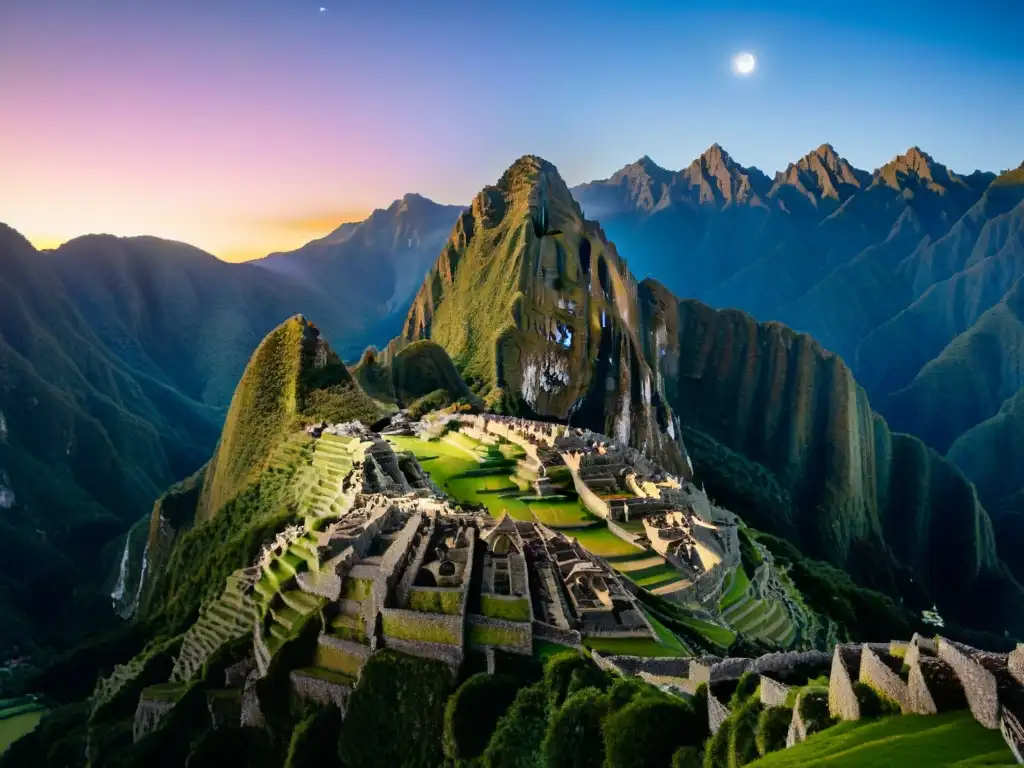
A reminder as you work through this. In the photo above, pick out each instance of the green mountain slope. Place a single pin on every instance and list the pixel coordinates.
(292, 375)
(86, 445)
(539, 314)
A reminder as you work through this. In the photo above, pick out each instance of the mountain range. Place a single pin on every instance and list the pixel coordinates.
(118, 356)
(544, 319)
(910, 273)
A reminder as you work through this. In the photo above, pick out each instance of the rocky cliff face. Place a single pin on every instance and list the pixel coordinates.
(540, 313)
(779, 399)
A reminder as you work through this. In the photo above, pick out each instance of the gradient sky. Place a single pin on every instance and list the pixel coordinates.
(248, 126)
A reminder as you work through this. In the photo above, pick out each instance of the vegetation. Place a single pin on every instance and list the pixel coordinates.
(400, 700)
(517, 739)
(574, 736)
(473, 712)
(915, 741)
(314, 740)
(772, 728)
(423, 368)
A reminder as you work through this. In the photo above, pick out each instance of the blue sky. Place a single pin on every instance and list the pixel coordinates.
(246, 126)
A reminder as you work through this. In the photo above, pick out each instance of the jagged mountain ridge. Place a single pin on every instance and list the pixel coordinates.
(887, 269)
(761, 390)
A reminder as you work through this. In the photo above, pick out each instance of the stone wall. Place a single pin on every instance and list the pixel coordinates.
(717, 713)
(513, 636)
(567, 637)
(594, 504)
(409, 575)
(979, 684)
(1013, 734)
(225, 708)
(797, 729)
(876, 672)
(1016, 664)
(933, 687)
(842, 700)
(666, 666)
(414, 626)
(389, 571)
(714, 670)
(773, 693)
(314, 689)
(149, 716)
(452, 655)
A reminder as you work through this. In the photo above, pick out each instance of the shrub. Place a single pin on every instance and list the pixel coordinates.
(772, 729)
(558, 675)
(473, 712)
(647, 732)
(687, 757)
(400, 701)
(517, 739)
(314, 740)
(814, 711)
(589, 676)
(625, 690)
(716, 753)
(745, 688)
(247, 746)
(743, 733)
(574, 735)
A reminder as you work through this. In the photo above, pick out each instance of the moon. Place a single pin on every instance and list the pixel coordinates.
(743, 64)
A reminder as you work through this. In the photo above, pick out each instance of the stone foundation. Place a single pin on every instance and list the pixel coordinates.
(842, 700)
(149, 716)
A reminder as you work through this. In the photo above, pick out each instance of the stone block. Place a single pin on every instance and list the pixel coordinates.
(1016, 664)
(879, 672)
(979, 684)
(934, 687)
(717, 713)
(842, 700)
(773, 694)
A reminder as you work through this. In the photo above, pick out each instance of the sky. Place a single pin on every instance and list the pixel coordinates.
(251, 126)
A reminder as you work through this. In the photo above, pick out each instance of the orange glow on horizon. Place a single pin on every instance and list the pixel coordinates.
(243, 240)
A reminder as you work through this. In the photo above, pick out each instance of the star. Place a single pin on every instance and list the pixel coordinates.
(322, 9)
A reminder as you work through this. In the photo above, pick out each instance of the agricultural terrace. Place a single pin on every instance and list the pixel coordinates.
(18, 716)
(491, 475)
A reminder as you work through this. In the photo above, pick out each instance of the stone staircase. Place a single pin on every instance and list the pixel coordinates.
(226, 618)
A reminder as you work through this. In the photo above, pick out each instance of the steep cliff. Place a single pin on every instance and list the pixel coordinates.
(539, 313)
(862, 497)
(292, 375)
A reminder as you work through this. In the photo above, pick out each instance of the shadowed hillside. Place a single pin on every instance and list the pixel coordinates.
(778, 398)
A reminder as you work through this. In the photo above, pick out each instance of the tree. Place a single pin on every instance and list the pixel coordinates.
(400, 702)
(574, 738)
(648, 731)
(772, 729)
(517, 739)
(558, 675)
(473, 712)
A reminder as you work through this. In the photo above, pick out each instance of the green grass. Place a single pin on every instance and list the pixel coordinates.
(665, 635)
(13, 728)
(736, 589)
(448, 462)
(909, 741)
(603, 543)
(717, 634)
(633, 646)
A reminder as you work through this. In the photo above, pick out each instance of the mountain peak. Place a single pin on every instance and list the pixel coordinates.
(915, 166)
(720, 179)
(818, 175)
